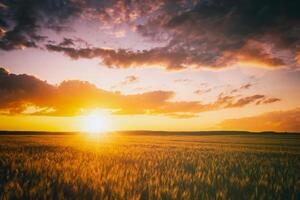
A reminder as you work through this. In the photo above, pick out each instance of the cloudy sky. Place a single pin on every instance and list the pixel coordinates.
(150, 65)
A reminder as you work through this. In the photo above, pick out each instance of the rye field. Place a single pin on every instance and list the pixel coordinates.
(150, 165)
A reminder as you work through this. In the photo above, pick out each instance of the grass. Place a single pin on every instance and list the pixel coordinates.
(150, 166)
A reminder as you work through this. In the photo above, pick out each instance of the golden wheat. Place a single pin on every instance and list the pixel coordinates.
(149, 167)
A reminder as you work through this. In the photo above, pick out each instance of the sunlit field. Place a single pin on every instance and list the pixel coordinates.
(146, 165)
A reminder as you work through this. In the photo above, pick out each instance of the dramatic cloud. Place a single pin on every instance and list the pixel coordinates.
(273, 121)
(220, 33)
(122, 58)
(212, 34)
(202, 33)
(21, 21)
(170, 58)
(20, 92)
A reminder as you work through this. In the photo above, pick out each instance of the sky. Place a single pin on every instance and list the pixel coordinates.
(176, 65)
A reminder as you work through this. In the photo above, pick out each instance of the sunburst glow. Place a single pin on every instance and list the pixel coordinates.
(95, 123)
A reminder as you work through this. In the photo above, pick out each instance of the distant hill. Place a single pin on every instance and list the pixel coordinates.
(195, 133)
(152, 133)
(36, 133)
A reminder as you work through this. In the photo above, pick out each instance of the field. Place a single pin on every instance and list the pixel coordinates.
(146, 165)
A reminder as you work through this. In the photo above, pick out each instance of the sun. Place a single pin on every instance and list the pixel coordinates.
(95, 124)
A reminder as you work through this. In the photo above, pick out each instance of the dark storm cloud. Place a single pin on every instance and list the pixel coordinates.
(214, 34)
(218, 32)
(69, 98)
(22, 20)
(123, 58)
(206, 33)
(67, 42)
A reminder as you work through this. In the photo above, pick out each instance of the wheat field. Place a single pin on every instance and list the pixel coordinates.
(150, 166)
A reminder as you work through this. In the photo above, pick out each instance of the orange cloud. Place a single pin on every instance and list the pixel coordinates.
(129, 80)
(298, 58)
(273, 121)
(268, 100)
(2, 32)
(74, 97)
(254, 52)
